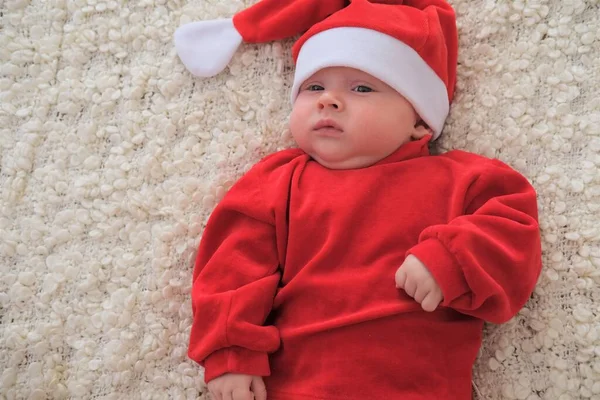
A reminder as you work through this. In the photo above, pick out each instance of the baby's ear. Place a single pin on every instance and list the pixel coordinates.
(421, 130)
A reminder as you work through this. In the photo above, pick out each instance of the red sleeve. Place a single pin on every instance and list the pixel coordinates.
(236, 276)
(487, 261)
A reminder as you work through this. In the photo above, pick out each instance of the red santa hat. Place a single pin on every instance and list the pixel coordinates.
(409, 44)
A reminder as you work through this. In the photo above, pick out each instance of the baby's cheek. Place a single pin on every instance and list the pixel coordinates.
(367, 122)
(375, 116)
(298, 126)
(301, 137)
(382, 128)
(299, 112)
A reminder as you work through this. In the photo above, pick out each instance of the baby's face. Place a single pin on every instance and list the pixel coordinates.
(345, 118)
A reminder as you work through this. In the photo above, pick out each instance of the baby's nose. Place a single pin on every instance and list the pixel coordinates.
(328, 99)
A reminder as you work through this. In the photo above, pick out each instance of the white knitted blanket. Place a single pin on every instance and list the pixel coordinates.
(112, 157)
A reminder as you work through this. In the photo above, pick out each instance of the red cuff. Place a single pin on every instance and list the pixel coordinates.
(444, 268)
(237, 360)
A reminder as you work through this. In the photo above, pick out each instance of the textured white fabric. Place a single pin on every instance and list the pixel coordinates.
(112, 157)
(206, 47)
(382, 56)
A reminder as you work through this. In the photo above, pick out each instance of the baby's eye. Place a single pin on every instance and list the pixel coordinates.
(363, 89)
(314, 88)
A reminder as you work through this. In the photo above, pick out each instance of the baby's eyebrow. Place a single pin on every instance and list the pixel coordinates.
(363, 82)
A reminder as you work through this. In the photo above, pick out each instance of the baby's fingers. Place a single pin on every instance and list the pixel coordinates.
(227, 394)
(431, 301)
(410, 286)
(216, 395)
(242, 394)
(421, 292)
(400, 278)
(259, 389)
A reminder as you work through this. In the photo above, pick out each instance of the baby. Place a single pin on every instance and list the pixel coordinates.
(358, 266)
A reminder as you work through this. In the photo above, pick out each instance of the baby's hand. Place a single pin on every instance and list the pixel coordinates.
(237, 387)
(416, 280)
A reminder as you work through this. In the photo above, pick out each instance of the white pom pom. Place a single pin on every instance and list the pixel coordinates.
(206, 47)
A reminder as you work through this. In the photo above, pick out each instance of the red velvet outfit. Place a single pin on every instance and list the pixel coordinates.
(294, 279)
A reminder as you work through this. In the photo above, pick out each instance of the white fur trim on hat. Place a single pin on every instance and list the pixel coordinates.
(382, 56)
(206, 47)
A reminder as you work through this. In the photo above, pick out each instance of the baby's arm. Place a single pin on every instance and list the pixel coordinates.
(234, 283)
(487, 261)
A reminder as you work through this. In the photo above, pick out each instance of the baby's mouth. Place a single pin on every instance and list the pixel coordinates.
(327, 125)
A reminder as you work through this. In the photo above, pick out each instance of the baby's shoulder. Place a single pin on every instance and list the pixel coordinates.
(472, 161)
(465, 157)
(278, 164)
(267, 178)
(280, 158)
(471, 165)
